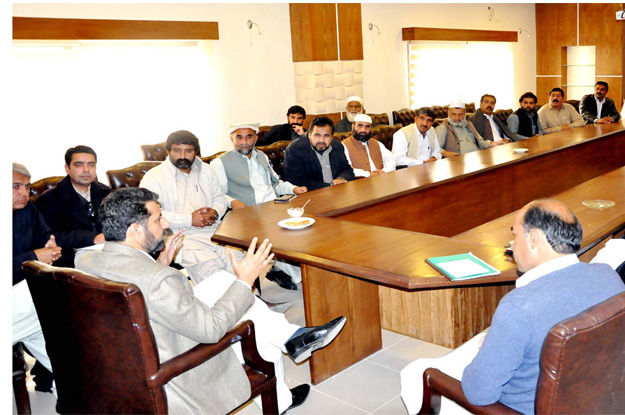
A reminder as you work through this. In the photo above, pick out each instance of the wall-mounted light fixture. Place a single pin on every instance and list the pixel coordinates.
(251, 23)
(371, 26)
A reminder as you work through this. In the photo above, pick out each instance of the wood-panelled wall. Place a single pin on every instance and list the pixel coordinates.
(556, 28)
(314, 31)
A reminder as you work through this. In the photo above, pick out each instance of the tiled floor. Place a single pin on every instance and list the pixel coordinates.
(369, 387)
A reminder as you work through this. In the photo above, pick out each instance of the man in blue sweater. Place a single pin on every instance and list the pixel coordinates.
(503, 365)
(554, 286)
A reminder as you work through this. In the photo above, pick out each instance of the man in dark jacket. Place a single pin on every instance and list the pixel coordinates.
(598, 108)
(490, 127)
(524, 122)
(290, 131)
(71, 208)
(316, 160)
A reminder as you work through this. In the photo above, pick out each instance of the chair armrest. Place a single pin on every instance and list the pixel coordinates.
(437, 384)
(201, 353)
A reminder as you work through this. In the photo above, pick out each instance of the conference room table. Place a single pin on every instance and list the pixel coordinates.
(364, 257)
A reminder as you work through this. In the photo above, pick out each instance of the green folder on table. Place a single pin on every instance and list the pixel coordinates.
(462, 266)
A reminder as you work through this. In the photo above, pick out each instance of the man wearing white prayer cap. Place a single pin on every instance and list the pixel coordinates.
(247, 178)
(367, 156)
(456, 135)
(353, 108)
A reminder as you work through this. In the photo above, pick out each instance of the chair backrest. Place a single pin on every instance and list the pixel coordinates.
(384, 134)
(208, 159)
(582, 364)
(262, 130)
(99, 341)
(503, 115)
(40, 186)
(154, 152)
(574, 103)
(379, 118)
(130, 176)
(404, 116)
(275, 153)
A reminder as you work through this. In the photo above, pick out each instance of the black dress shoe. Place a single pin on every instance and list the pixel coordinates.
(281, 278)
(299, 395)
(308, 339)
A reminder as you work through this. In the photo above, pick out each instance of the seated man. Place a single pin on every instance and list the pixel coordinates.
(558, 115)
(613, 254)
(71, 208)
(524, 122)
(192, 200)
(458, 136)
(599, 109)
(32, 240)
(353, 108)
(491, 128)
(416, 143)
(317, 160)
(133, 227)
(247, 178)
(366, 155)
(554, 286)
(290, 131)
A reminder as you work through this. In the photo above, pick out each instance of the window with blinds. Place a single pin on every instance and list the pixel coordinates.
(441, 72)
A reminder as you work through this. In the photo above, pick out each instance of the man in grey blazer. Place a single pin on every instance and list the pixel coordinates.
(133, 227)
(490, 127)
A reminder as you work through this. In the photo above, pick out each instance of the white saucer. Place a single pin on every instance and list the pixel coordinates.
(285, 223)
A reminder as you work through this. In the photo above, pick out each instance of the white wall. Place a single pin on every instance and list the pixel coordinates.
(385, 56)
(255, 74)
(254, 79)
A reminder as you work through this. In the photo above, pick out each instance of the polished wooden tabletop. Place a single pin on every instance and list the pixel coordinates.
(596, 223)
(359, 228)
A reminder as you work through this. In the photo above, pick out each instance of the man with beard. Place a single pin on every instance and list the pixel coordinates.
(524, 122)
(458, 136)
(71, 208)
(290, 131)
(182, 317)
(317, 160)
(599, 109)
(367, 156)
(416, 143)
(491, 128)
(192, 200)
(247, 178)
(354, 107)
(558, 115)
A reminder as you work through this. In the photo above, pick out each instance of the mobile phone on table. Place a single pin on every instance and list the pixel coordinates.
(284, 198)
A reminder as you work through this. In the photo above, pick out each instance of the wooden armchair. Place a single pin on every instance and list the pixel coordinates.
(582, 368)
(102, 348)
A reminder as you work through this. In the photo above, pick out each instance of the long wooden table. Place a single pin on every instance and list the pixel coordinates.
(378, 231)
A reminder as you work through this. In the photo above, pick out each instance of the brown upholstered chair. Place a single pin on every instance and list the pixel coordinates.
(130, 176)
(379, 119)
(22, 402)
(503, 115)
(404, 116)
(275, 154)
(262, 130)
(40, 186)
(384, 134)
(574, 103)
(208, 159)
(341, 136)
(582, 368)
(102, 348)
(154, 152)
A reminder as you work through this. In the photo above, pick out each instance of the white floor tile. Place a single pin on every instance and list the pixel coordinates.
(394, 407)
(402, 353)
(365, 385)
